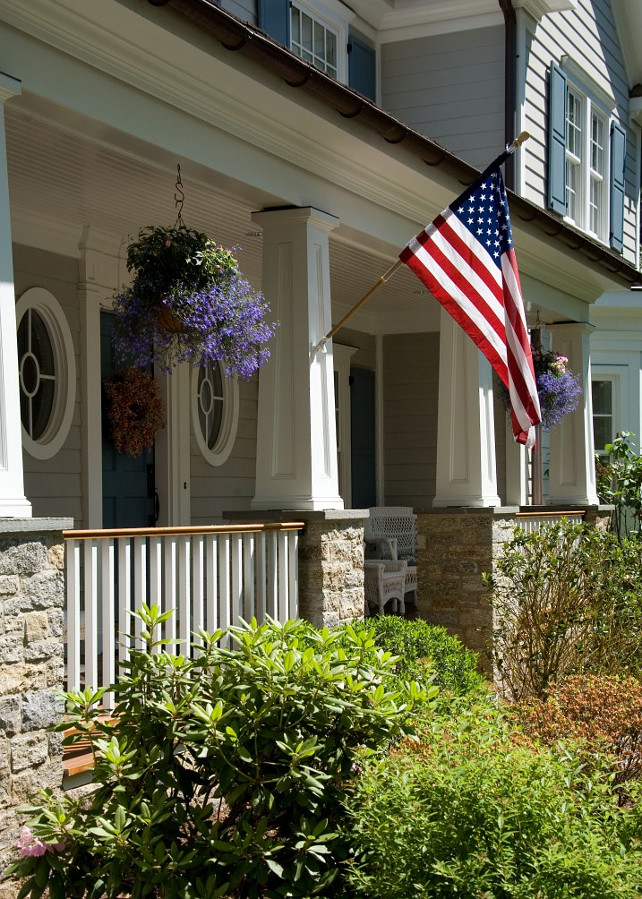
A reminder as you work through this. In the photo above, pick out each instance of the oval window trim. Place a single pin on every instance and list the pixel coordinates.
(221, 450)
(55, 433)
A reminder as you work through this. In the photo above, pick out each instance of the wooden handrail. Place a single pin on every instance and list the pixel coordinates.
(185, 531)
(556, 513)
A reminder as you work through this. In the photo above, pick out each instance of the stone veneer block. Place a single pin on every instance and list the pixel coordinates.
(32, 596)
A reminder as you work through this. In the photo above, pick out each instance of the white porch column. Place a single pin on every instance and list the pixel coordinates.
(572, 462)
(296, 465)
(466, 469)
(13, 503)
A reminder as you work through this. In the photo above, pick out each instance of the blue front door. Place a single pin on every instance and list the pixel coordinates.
(128, 483)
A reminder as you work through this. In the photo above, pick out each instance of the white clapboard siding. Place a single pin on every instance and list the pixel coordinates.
(210, 577)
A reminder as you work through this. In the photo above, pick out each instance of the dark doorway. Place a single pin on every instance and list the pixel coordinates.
(362, 424)
(128, 483)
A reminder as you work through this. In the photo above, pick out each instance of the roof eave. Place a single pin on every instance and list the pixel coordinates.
(238, 36)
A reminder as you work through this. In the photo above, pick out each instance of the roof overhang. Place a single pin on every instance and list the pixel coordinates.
(392, 134)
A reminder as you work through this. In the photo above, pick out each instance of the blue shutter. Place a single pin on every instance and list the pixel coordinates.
(618, 153)
(557, 140)
(274, 18)
(362, 67)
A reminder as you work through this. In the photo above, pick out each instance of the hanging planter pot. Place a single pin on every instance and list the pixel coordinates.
(188, 302)
(558, 389)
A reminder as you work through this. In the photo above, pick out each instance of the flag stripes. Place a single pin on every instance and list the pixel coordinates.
(465, 257)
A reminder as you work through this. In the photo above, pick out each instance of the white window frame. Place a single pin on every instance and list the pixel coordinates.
(582, 177)
(220, 452)
(614, 380)
(334, 17)
(53, 437)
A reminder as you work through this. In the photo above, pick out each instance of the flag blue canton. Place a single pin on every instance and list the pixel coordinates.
(485, 215)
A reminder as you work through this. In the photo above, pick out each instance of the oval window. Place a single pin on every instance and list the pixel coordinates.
(214, 411)
(46, 372)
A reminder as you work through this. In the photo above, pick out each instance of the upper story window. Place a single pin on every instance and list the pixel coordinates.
(318, 31)
(587, 149)
(586, 159)
(314, 41)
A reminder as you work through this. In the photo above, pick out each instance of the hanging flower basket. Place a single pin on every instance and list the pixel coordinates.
(558, 389)
(188, 302)
(135, 411)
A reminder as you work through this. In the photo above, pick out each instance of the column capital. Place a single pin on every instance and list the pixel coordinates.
(9, 87)
(560, 329)
(296, 215)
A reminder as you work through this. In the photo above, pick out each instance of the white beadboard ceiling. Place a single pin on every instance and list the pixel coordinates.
(63, 181)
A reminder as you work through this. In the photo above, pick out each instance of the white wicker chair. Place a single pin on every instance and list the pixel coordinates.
(391, 533)
(384, 582)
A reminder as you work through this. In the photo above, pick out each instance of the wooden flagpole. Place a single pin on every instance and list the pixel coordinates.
(510, 149)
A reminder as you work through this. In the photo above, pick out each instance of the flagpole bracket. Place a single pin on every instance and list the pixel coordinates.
(320, 347)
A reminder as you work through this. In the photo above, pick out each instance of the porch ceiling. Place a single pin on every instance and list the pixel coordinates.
(68, 176)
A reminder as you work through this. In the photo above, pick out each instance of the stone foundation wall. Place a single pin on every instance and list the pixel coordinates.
(31, 666)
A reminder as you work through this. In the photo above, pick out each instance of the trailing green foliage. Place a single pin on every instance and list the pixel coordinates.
(426, 652)
(619, 481)
(222, 775)
(469, 812)
(565, 599)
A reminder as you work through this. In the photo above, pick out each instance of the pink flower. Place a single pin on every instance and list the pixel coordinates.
(27, 844)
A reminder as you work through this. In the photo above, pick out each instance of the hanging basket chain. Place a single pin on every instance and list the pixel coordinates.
(179, 198)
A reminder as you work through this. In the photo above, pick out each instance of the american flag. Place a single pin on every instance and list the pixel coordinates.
(466, 258)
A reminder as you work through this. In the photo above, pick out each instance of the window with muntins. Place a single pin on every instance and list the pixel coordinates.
(587, 150)
(314, 41)
(215, 412)
(46, 372)
(586, 201)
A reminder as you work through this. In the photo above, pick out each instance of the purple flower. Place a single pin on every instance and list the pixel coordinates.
(558, 389)
(224, 322)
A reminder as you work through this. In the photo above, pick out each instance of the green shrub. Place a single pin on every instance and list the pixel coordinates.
(619, 482)
(425, 651)
(222, 776)
(469, 812)
(565, 599)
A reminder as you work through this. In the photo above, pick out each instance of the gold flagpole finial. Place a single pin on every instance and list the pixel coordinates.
(519, 141)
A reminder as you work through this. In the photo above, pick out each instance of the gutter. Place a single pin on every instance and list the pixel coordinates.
(510, 85)
(240, 37)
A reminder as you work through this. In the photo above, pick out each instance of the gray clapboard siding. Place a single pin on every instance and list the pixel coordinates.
(451, 88)
(410, 384)
(53, 486)
(589, 37)
(244, 9)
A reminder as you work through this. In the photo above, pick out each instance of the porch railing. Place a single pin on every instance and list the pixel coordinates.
(210, 576)
(532, 522)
